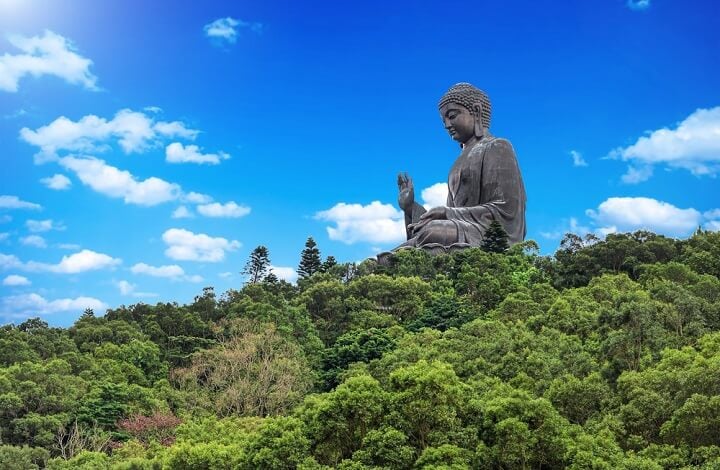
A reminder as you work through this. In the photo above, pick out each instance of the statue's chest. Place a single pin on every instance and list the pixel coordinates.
(464, 177)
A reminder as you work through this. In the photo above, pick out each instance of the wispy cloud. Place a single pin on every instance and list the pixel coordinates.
(226, 30)
(577, 158)
(132, 130)
(49, 54)
(638, 4)
(693, 145)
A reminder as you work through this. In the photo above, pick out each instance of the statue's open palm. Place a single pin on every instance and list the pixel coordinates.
(406, 197)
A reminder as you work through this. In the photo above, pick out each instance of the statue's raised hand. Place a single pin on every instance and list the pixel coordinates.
(406, 197)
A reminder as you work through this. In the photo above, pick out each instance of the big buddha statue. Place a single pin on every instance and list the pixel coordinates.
(484, 183)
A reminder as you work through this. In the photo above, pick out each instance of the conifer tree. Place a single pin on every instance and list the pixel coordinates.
(496, 238)
(258, 265)
(329, 262)
(309, 259)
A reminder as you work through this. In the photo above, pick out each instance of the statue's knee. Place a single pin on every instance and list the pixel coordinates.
(438, 231)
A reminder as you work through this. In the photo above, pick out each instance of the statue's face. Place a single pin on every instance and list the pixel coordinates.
(458, 121)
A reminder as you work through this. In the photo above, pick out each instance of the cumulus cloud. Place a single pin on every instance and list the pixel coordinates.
(129, 289)
(116, 183)
(34, 240)
(169, 271)
(49, 54)
(57, 181)
(225, 275)
(435, 195)
(185, 245)
(577, 158)
(82, 261)
(634, 213)
(638, 4)
(285, 273)
(693, 145)
(229, 209)
(196, 198)
(172, 271)
(28, 305)
(226, 30)
(373, 223)
(182, 212)
(14, 202)
(43, 225)
(134, 132)
(177, 153)
(15, 280)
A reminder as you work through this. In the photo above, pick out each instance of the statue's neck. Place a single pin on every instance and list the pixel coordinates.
(474, 140)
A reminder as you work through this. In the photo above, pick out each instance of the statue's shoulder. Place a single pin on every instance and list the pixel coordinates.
(492, 144)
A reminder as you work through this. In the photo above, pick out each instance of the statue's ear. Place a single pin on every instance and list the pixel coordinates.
(477, 111)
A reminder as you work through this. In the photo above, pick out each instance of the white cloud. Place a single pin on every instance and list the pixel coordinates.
(69, 246)
(14, 202)
(49, 54)
(196, 198)
(188, 246)
(4, 236)
(177, 153)
(228, 29)
(225, 275)
(117, 183)
(126, 288)
(16, 280)
(28, 305)
(637, 174)
(182, 212)
(43, 225)
(638, 4)
(134, 132)
(694, 145)
(172, 271)
(373, 223)
(229, 209)
(577, 158)
(57, 181)
(285, 273)
(435, 195)
(633, 213)
(34, 240)
(713, 225)
(712, 214)
(169, 271)
(82, 261)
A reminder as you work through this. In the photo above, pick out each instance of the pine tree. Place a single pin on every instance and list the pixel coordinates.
(328, 264)
(309, 259)
(258, 265)
(496, 239)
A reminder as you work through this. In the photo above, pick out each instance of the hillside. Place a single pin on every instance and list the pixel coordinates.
(605, 356)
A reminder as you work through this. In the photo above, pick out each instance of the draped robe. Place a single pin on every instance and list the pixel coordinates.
(484, 184)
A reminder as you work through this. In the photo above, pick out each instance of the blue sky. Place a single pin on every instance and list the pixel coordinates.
(148, 147)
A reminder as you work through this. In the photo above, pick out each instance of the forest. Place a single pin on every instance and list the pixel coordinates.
(605, 355)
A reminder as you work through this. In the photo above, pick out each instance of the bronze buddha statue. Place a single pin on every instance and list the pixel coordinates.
(484, 183)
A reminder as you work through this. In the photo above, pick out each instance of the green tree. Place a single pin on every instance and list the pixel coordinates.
(495, 239)
(309, 259)
(258, 265)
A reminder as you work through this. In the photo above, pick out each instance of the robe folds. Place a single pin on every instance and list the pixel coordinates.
(484, 184)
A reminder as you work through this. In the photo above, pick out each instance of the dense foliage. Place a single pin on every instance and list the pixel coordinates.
(605, 356)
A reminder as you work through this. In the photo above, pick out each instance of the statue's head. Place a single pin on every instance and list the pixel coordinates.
(465, 111)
